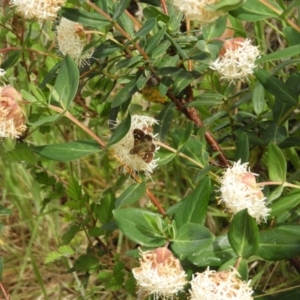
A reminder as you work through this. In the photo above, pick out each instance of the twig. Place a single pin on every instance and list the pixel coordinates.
(6, 296)
(164, 6)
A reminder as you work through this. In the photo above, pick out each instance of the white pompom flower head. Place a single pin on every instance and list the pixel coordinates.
(196, 10)
(236, 60)
(160, 274)
(223, 285)
(136, 150)
(239, 191)
(71, 40)
(38, 9)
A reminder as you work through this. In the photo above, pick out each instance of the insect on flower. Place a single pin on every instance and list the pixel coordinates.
(143, 145)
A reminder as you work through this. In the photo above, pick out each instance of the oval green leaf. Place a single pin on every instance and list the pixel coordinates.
(243, 234)
(67, 151)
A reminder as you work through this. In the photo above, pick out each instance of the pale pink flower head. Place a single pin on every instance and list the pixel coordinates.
(223, 285)
(240, 191)
(133, 150)
(38, 9)
(236, 60)
(196, 10)
(11, 116)
(160, 274)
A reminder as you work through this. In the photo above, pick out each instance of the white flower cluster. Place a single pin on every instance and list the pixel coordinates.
(195, 10)
(71, 40)
(160, 274)
(224, 285)
(239, 191)
(123, 149)
(38, 9)
(238, 60)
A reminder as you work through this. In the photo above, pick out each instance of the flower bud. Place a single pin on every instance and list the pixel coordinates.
(12, 118)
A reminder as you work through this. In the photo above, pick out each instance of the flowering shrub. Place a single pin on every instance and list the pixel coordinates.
(150, 149)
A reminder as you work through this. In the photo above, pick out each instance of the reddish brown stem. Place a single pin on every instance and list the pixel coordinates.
(164, 6)
(193, 115)
(155, 202)
(6, 296)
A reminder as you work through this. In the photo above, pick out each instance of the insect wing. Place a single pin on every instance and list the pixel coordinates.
(147, 157)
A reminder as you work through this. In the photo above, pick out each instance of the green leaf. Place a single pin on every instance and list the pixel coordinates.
(131, 194)
(276, 163)
(242, 267)
(4, 211)
(129, 62)
(160, 50)
(190, 238)
(292, 35)
(67, 151)
(103, 211)
(165, 119)
(74, 190)
(186, 135)
(280, 243)
(121, 6)
(66, 83)
(13, 58)
(253, 11)
(207, 99)
(194, 207)
(125, 93)
(63, 251)
(258, 98)
(153, 41)
(86, 263)
(164, 156)
(70, 234)
(84, 17)
(280, 54)
(194, 148)
(243, 234)
(216, 254)
(22, 153)
(46, 120)
(214, 29)
(133, 222)
(153, 12)
(274, 134)
(225, 5)
(285, 204)
(276, 87)
(242, 148)
(146, 28)
(121, 130)
(126, 23)
(183, 79)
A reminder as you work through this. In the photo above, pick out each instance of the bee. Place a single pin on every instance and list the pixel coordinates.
(143, 145)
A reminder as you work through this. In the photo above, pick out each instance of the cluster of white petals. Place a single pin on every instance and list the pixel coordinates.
(11, 116)
(224, 285)
(71, 40)
(160, 274)
(195, 10)
(122, 149)
(238, 60)
(38, 9)
(239, 191)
